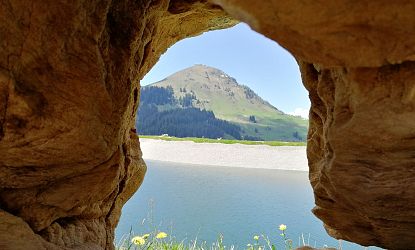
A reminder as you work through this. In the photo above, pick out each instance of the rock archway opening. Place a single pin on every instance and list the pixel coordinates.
(174, 103)
(242, 77)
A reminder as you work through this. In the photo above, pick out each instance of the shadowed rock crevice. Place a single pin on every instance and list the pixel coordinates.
(69, 90)
(4, 98)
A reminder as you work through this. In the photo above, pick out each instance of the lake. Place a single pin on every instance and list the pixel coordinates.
(192, 201)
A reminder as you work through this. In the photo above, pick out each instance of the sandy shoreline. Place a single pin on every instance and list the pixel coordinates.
(229, 155)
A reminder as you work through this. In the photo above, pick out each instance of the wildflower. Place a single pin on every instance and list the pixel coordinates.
(283, 227)
(145, 236)
(161, 235)
(138, 240)
(249, 245)
(256, 237)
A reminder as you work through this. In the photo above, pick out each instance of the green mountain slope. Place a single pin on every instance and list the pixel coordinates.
(211, 89)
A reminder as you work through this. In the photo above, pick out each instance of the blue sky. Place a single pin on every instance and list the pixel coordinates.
(249, 57)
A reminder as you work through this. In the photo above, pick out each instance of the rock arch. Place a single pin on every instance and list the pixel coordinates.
(69, 87)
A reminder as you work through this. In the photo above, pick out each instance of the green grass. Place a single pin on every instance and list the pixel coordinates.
(223, 141)
(159, 240)
(151, 242)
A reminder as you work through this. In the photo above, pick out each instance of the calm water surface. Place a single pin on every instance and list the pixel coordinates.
(203, 202)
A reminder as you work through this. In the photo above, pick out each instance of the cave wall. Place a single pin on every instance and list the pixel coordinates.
(69, 90)
(356, 62)
(360, 151)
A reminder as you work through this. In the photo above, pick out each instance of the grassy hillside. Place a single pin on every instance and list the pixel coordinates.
(161, 113)
(216, 91)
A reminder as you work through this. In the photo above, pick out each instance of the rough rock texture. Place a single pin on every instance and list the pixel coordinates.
(334, 33)
(355, 58)
(69, 90)
(361, 152)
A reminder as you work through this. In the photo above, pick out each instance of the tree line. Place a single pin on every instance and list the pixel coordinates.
(180, 119)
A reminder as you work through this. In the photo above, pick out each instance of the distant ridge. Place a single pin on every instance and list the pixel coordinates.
(207, 88)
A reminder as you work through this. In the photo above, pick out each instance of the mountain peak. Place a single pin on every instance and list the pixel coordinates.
(209, 88)
(209, 83)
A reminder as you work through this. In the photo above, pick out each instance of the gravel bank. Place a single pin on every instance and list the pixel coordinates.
(229, 155)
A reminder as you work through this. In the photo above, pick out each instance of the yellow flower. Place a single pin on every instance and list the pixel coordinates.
(256, 237)
(161, 235)
(138, 240)
(145, 236)
(283, 227)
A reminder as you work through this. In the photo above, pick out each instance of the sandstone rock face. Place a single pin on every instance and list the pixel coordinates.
(360, 152)
(69, 90)
(334, 33)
